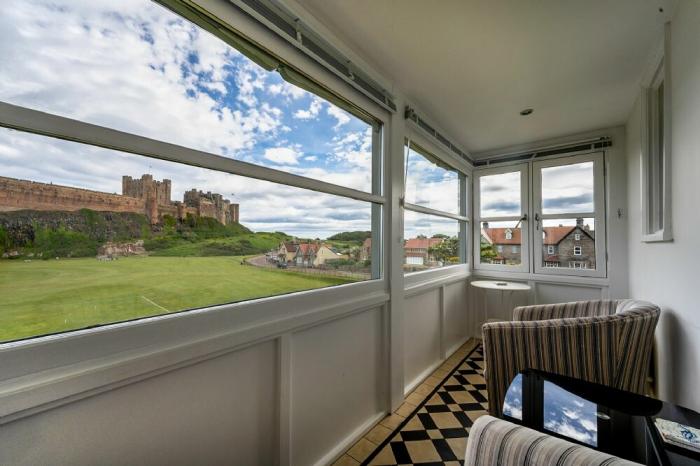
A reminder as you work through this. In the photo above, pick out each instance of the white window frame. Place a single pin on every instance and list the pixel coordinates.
(415, 138)
(524, 265)
(97, 356)
(579, 249)
(550, 249)
(655, 163)
(599, 214)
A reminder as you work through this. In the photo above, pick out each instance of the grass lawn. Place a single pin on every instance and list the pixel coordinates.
(40, 297)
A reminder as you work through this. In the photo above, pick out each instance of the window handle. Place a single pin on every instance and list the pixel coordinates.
(522, 219)
(537, 221)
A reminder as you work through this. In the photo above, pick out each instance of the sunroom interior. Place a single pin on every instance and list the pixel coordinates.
(312, 232)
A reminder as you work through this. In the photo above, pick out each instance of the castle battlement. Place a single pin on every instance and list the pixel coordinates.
(139, 195)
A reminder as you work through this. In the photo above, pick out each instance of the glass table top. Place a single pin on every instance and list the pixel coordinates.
(603, 418)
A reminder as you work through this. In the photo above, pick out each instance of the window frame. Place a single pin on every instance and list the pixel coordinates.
(420, 144)
(599, 214)
(655, 156)
(32, 121)
(524, 170)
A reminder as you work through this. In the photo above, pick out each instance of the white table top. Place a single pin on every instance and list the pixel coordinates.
(501, 285)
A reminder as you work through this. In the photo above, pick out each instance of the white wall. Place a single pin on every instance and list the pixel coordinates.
(667, 273)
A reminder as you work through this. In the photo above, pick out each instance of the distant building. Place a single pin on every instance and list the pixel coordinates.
(563, 246)
(310, 254)
(366, 250)
(141, 195)
(417, 251)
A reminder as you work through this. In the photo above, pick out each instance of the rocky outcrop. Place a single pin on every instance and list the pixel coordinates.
(112, 250)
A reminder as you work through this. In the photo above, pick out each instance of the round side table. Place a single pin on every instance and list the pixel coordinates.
(499, 285)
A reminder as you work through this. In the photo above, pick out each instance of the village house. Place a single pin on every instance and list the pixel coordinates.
(307, 254)
(286, 252)
(417, 251)
(563, 246)
(366, 250)
(569, 246)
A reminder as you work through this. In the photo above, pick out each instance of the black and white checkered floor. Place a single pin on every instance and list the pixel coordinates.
(435, 433)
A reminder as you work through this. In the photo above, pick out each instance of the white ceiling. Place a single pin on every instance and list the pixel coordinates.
(472, 65)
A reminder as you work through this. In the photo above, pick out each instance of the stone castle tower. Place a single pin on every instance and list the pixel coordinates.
(212, 205)
(154, 193)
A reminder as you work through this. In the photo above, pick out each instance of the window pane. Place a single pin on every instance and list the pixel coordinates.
(501, 243)
(91, 236)
(429, 241)
(500, 195)
(431, 184)
(569, 243)
(568, 188)
(135, 66)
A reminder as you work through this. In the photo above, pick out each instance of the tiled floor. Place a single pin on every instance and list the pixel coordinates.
(431, 426)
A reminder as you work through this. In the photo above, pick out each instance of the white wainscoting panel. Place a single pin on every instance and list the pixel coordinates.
(337, 382)
(422, 330)
(220, 411)
(457, 315)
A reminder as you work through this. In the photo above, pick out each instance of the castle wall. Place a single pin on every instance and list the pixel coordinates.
(21, 194)
(142, 196)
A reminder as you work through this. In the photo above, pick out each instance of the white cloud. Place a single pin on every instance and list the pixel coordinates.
(287, 90)
(341, 116)
(312, 112)
(282, 155)
(136, 67)
(131, 67)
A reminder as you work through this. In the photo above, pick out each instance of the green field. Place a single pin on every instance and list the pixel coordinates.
(48, 296)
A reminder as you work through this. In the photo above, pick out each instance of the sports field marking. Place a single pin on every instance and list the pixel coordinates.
(155, 304)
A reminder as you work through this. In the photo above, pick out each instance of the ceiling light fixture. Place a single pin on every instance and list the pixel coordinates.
(526, 112)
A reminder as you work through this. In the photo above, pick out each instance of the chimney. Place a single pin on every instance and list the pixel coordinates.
(579, 222)
(485, 225)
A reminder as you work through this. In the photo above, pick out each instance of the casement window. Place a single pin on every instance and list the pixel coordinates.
(551, 206)
(435, 211)
(500, 202)
(656, 151)
(569, 212)
(153, 168)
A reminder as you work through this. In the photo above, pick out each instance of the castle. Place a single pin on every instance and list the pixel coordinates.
(143, 196)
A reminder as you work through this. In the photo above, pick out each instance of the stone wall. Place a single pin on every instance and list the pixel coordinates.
(21, 194)
(144, 196)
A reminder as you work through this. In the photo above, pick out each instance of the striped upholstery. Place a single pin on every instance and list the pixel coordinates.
(607, 342)
(494, 442)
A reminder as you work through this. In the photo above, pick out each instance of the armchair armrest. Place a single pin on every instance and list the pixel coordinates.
(492, 440)
(565, 310)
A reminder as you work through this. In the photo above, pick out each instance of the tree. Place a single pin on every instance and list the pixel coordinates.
(447, 251)
(487, 251)
(440, 235)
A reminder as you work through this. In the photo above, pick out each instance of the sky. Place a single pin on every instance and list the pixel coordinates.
(565, 189)
(134, 66)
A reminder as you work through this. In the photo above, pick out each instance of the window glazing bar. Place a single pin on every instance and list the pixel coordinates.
(439, 213)
(34, 121)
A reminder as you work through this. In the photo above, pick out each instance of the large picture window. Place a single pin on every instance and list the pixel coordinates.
(435, 221)
(247, 186)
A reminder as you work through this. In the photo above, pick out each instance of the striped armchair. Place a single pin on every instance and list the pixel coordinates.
(607, 342)
(494, 442)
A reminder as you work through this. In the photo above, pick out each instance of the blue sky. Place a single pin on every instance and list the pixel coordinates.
(134, 66)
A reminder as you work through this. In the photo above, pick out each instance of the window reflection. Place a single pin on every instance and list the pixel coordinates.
(570, 415)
